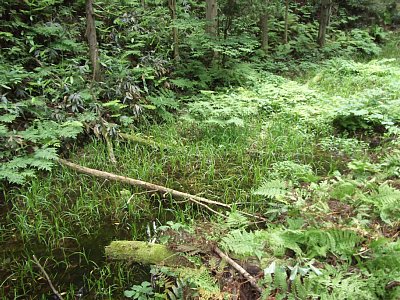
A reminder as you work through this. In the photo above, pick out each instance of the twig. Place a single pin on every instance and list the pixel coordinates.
(47, 278)
(254, 216)
(239, 268)
(209, 208)
(392, 285)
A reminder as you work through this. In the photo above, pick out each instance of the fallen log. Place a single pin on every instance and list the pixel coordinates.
(145, 253)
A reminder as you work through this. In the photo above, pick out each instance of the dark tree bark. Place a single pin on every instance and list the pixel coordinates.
(92, 40)
(211, 17)
(285, 37)
(324, 19)
(264, 17)
(175, 36)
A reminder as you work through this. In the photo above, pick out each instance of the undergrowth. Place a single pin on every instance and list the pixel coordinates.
(319, 161)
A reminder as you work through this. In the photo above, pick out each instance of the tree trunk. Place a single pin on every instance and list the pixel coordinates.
(175, 37)
(285, 37)
(324, 18)
(211, 17)
(92, 40)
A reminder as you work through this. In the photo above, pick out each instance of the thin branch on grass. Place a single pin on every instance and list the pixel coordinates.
(239, 268)
(209, 208)
(153, 187)
(143, 184)
(47, 278)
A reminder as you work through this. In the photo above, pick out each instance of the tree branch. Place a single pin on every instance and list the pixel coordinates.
(47, 278)
(140, 183)
(239, 268)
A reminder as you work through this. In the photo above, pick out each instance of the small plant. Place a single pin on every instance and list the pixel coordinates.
(144, 291)
(294, 172)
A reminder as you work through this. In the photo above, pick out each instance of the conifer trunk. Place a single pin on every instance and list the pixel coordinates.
(92, 40)
(324, 18)
(264, 17)
(211, 17)
(285, 37)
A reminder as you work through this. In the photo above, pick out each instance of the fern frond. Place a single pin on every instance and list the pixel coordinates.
(242, 243)
(200, 278)
(336, 241)
(387, 201)
(272, 189)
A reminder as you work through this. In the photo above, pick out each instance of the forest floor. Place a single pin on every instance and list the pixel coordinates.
(317, 157)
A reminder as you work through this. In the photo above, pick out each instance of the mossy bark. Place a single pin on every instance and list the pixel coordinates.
(145, 253)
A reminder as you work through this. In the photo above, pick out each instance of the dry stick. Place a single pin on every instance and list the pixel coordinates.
(209, 208)
(151, 187)
(47, 278)
(139, 183)
(239, 268)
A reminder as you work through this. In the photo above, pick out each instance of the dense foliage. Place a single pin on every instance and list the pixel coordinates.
(48, 97)
(289, 110)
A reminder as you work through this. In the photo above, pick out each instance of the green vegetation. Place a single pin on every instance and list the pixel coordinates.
(288, 111)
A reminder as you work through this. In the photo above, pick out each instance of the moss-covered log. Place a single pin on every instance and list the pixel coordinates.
(145, 253)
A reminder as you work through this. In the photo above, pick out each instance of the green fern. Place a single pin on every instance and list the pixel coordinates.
(200, 278)
(387, 202)
(340, 242)
(184, 283)
(41, 141)
(243, 243)
(272, 189)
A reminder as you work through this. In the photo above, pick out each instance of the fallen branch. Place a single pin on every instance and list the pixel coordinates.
(239, 268)
(47, 278)
(153, 187)
(146, 253)
(392, 285)
(140, 183)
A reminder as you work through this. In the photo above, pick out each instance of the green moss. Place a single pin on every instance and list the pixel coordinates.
(145, 253)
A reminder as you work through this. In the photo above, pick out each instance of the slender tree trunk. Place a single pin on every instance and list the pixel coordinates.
(324, 18)
(211, 17)
(264, 17)
(175, 36)
(92, 40)
(285, 37)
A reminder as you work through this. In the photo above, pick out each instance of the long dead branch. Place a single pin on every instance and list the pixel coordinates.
(140, 183)
(239, 268)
